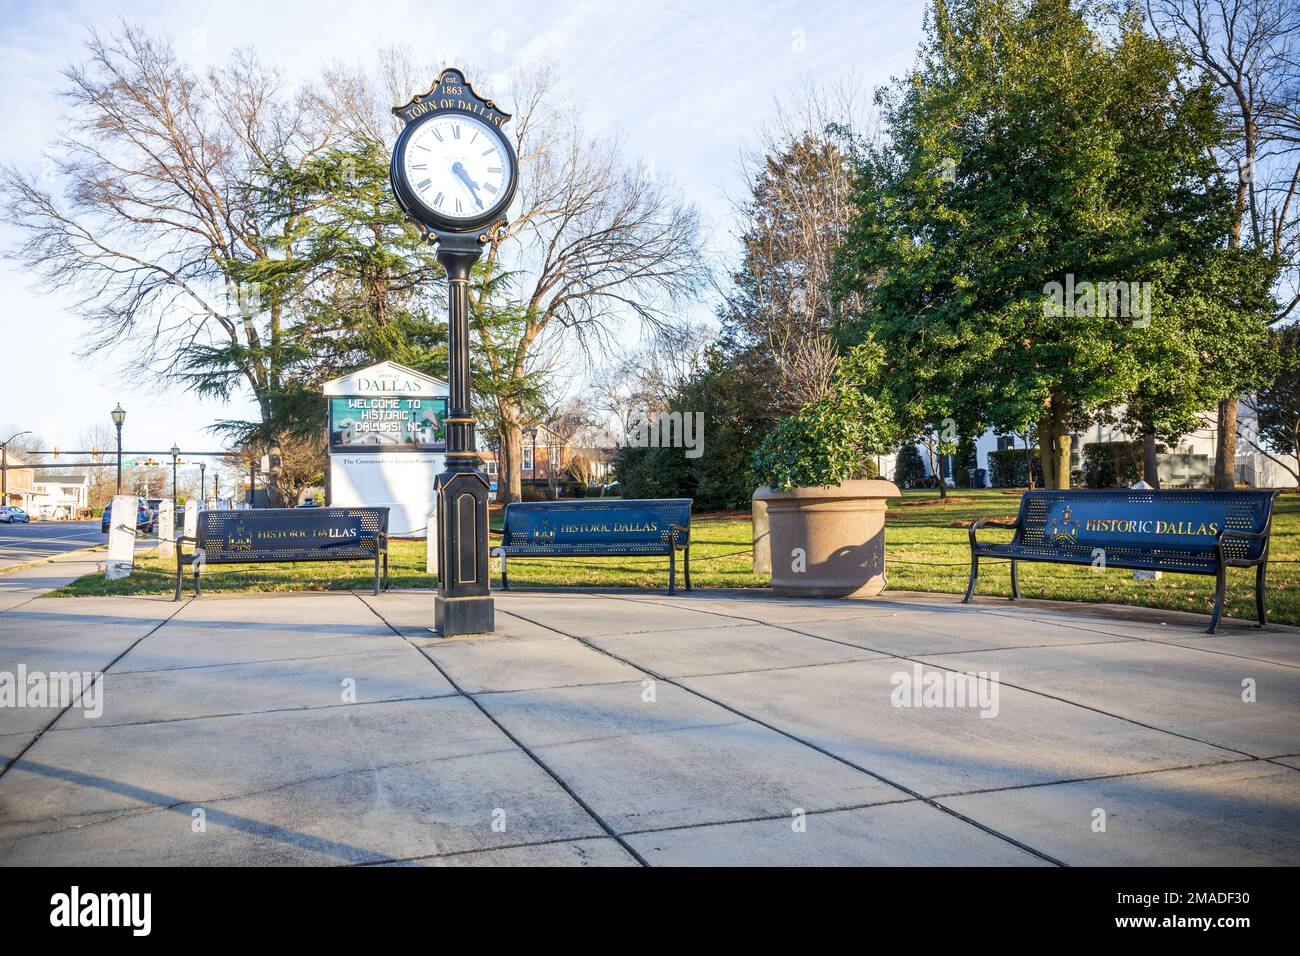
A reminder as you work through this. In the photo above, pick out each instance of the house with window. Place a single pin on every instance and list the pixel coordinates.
(1189, 464)
(60, 498)
(19, 482)
(549, 459)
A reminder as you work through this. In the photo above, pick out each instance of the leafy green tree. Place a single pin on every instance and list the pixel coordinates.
(353, 283)
(1027, 152)
(1277, 406)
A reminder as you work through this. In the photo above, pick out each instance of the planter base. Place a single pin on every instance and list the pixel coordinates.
(828, 542)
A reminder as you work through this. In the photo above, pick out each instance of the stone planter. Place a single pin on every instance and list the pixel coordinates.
(827, 542)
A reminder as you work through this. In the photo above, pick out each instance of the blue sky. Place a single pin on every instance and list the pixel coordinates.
(685, 85)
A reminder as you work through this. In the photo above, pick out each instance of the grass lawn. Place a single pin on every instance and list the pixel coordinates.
(926, 550)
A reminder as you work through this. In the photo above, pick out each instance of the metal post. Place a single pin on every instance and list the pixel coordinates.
(463, 605)
(203, 467)
(118, 414)
(175, 456)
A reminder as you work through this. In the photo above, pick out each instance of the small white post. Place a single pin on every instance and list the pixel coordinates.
(166, 530)
(121, 538)
(1144, 575)
(191, 519)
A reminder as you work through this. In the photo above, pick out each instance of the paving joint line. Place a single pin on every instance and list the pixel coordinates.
(41, 733)
(797, 739)
(512, 738)
(1020, 687)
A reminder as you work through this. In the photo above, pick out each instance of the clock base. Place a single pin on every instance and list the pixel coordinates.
(466, 615)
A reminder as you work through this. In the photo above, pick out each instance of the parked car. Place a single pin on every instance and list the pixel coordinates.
(144, 518)
(10, 515)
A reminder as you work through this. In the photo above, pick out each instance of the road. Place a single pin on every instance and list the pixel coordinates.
(20, 543)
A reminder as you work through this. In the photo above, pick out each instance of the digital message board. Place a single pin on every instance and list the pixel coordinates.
(375, 423)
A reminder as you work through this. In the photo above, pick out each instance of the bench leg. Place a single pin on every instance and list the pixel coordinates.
(385, 569)
(180, 574)
(1219, 585)
(198, 588)
(1259, 594)
(1015, 581)
(672, 569)
(970, 587)
(376, 572)
(688, 567)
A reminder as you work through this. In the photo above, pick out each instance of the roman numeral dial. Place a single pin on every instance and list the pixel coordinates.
(456, 167)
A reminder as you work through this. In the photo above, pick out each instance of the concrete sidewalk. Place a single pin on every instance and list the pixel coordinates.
(619, 728)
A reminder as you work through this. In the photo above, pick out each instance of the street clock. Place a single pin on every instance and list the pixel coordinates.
(454, 173)
(453, 168)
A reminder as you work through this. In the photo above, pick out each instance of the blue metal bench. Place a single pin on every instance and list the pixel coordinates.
(632, 528)
(1184, 532)
(274, 535)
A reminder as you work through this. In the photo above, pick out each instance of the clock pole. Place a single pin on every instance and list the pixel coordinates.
(463, 604)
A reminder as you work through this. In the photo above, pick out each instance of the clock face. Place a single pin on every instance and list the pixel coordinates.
(457, 168)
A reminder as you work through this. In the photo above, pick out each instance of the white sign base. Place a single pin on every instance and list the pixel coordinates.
(402, 481)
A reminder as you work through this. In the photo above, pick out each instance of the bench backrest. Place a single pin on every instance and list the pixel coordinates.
(291, 534)
(633, 521)
(1131, 524)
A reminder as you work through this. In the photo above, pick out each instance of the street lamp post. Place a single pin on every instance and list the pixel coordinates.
(203, 467)
(532, 471)
(118, 415)
(4, 466)
(176, 453)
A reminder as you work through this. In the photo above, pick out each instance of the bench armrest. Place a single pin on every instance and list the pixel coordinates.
(991, 522)
(1246, 535)
(686, 532)
(1227, 533)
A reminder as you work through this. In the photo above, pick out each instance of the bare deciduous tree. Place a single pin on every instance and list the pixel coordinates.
(157, 221)
(792, 223)
(1250, 49)
(592, 241)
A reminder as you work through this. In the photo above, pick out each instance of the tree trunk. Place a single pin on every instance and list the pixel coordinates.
(510, 487)
(275, 471)
(1150, 461)
(1045, 445)
(1054, 445)
(1225, 458)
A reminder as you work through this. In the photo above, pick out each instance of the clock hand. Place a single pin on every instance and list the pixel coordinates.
(459, 170)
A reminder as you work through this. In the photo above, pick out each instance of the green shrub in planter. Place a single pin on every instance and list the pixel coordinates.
(835, 438)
